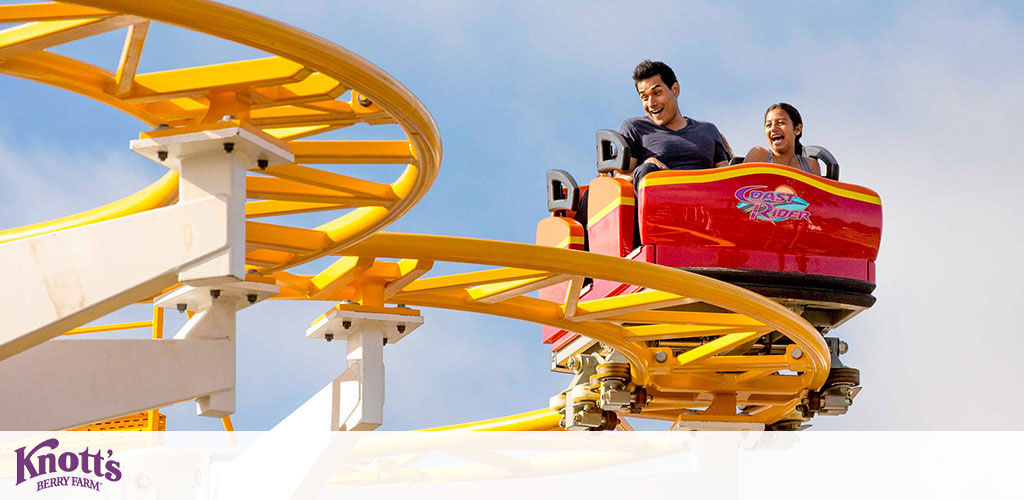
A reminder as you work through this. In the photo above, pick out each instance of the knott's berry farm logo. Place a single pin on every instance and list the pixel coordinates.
(778, 205)
(45, 459)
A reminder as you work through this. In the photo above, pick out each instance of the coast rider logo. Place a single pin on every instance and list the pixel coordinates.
(773, 206)
(45, 459)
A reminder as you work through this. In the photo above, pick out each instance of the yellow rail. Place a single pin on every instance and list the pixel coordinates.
(686, 386)
(537, 420)
(308, 86)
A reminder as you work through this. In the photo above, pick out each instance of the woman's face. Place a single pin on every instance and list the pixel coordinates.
(779, 130)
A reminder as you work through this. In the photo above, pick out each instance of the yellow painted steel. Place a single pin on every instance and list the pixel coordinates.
(714, 379)
(299, 91)
(109, 328)
(161, 193)
(24, 13)
(537, 420)
(158, 323)
(151, 420)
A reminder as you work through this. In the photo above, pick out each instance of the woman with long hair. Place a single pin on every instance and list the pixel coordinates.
(783, 127)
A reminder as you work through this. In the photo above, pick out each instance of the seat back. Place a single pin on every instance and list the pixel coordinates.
(611, 216)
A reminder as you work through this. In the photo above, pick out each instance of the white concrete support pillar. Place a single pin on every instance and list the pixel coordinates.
(216, 307)
(58, 281)
(62, 280)
(212, 162)
(220, 175)
(215, 322)
(67, 383)
(363, 389)
(355, 400)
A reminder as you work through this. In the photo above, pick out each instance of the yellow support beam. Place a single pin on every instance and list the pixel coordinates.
(266, 257)
(770, 364)
(717, 346)
(666, 332)
(158, 322)
(226, 77)
(687, 318)
(284, 238)
(314, 152)
(53, 11)
(537, 420)
(271, 208)
(622, 304)
(109, 328)
(130, 55)
(270, 188)
(292, 133)
(572, 296)
(329, 180)
(316, 87)
(145, 421)
(409, 270)
(471, 279)
(302, 284)
(339, 274)
(33, 37)
(497, 292)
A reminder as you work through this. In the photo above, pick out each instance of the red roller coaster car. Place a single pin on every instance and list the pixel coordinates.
(806, 241)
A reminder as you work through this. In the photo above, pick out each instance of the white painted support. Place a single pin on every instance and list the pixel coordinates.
(213, 163)
(215, 319)
(62, 280)
(215, 322)
(361, 387)
(241, 295)
(341, 323)
(218, 174)
(355, 400)
(66, 383)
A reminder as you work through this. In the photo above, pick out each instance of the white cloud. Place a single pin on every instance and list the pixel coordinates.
(44, 184)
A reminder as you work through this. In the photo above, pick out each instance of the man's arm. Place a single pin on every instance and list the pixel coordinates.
(634, 138)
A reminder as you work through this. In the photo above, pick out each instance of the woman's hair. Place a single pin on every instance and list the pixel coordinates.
(794, 116)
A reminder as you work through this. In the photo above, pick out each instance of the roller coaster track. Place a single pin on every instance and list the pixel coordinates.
(309, 86)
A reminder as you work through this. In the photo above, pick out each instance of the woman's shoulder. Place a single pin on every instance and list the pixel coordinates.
(756, 154)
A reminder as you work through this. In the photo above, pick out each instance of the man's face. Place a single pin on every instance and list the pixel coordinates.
(658, 100)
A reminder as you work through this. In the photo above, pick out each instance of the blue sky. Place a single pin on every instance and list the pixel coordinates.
(922, 103)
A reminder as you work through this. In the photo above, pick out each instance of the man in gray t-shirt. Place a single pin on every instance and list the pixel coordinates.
(664, 138)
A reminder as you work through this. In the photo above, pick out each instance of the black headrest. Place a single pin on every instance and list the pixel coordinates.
(612, 151)
(824, 156)
(559, 198)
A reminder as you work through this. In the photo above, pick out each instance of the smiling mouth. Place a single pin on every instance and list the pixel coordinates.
(777, 139)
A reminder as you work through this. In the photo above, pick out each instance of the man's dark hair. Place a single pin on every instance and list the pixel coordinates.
(649, 69)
